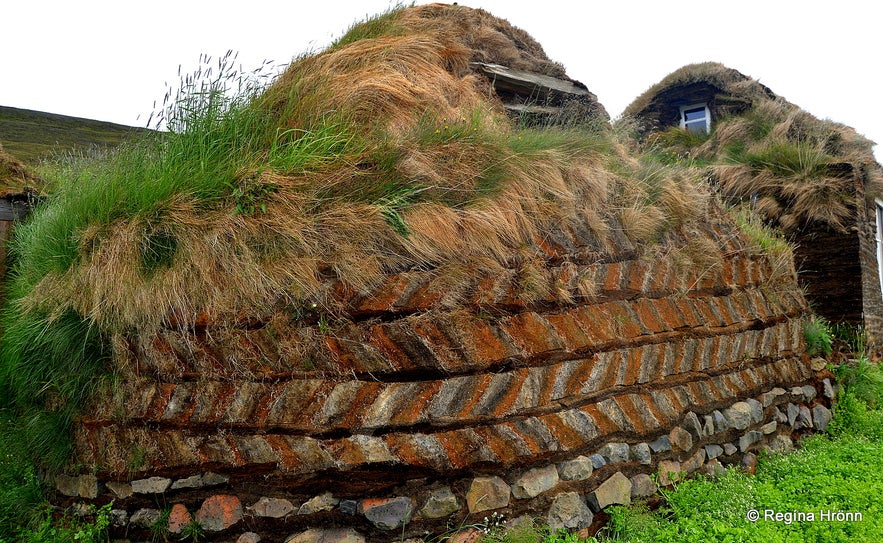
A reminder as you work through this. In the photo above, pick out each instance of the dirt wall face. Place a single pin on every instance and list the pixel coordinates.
(408, 412)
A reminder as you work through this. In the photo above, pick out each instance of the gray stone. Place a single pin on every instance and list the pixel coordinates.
(769, 427)
(214, 479)
(749, 439)
(272, 507)
(194, 481)
(144, 518)
(809, 393)
(818, 364)
(720, 421)
(828, 389)
(804, 418)
(793, 411)
(615, 452)
(387, 514)
(597, 461)
(317, 504)
(681, 440)
(486, 493)
(694, 462)
(781, 444)
(578, 469)
(670, 472)
(67, 485)
(660, 444)
(713, 451)
(730, 449)
(615, 490)
(713, 469)
(797, 393)
(569, 511)
(642, 486)
(779, 391)
(738, 415)
(640, 453)
(691, 424)
(120, 490)
(249, 537)
(440, 503)
(534, 482)
(821, 416)
(349, 507)
(780, 417)
(756, 410)
(118, 517)
(153, 485)
(331, 535)
(87, 486)
(707, 425)
(767, 399)
(749, 462)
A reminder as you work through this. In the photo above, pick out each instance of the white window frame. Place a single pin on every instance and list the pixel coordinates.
(878, 237)
(702, 105)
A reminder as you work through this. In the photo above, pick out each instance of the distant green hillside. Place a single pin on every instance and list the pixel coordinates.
(34, 135)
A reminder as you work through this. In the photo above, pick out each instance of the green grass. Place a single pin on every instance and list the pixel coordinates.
(33, 136)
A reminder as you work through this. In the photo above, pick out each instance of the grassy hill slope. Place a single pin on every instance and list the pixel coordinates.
(33, 135)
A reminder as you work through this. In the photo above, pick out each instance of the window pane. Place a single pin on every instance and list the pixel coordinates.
(694, 114)
(697, 128)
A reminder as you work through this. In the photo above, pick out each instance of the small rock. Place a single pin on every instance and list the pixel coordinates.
(120, 490)
(87, 486)
(713, 469)
(534, 482)
(660, 444)
(578, 469)
(680, 439)
(749, 439)
(642, 486)
(469, 535)
(248, 537)
(317, 504)
(670, 472)
(615, 452)
(194, 481)
(738, 415)
(214, 479)
(793, 411)
(387, 513)
(779, 391)
(118, 517)
(797, 393)
(67, 485)
(331, 535)
(692, 425)
(569, 511)
(441, 503)
(272, 507)
(780, 417)
(828, 389)
(804, 418)
(749, 463)
(144, 518)
(769, 427)
(756, 410)
(821, 416)
(179, 517)
(712, 451)
(781, 444)
(349, 507)
(219, 512)
(730, 449)
(694, 462)
(640, 453)
(153, 485)
(597, 461)
(809, 393)
(720, 422)
(615, 490)
(767, 399)
(818, 364)
(707, 425)
(486, 493)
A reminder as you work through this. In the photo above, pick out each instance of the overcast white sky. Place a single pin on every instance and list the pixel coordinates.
(110, 60)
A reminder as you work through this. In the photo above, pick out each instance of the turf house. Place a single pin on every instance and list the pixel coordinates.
(419, 280)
